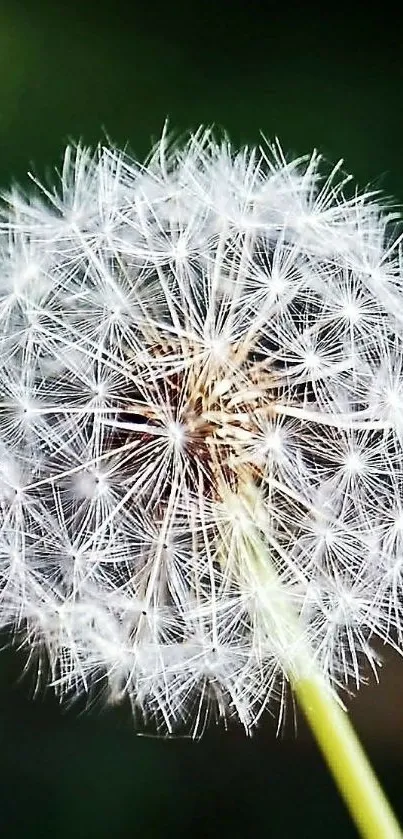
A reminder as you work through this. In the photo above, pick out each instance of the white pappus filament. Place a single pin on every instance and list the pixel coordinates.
(171, 335)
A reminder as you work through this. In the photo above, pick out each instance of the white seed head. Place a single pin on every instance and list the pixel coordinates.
(171, 335)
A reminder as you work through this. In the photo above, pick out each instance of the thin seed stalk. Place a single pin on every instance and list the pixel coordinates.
(328, 721)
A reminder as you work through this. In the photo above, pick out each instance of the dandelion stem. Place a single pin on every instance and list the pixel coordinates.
(329, 723)
(346, 760)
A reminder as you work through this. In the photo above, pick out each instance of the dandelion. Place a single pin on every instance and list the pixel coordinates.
(201, 402)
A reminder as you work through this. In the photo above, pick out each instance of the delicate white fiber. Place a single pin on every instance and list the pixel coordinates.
(171, 334)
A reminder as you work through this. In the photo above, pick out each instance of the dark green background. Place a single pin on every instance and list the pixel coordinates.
(319, 78)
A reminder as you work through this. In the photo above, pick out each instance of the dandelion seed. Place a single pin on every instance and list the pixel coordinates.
(201, 391)
(211, 330)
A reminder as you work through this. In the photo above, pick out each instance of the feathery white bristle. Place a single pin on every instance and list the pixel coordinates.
(169, 334)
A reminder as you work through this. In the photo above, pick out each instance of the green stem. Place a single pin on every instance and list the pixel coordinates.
(347, 761)
(249, 561)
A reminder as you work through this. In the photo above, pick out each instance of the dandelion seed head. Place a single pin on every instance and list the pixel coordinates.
(201, 360)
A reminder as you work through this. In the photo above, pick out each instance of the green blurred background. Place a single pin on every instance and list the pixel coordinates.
(84, 70)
